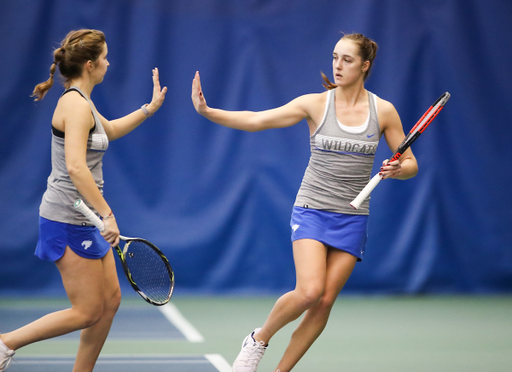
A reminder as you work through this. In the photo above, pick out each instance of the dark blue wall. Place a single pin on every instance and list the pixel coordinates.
(218, 201)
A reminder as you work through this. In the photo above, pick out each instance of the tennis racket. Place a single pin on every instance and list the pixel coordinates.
(412, 136)
(145, 266)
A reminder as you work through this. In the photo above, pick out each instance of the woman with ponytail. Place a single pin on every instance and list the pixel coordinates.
(328, 235)
(80, 138)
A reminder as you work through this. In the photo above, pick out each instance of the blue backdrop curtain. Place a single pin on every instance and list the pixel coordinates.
(217, 201)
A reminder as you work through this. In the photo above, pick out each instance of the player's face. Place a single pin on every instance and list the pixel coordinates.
(347, 65)
(101, 65)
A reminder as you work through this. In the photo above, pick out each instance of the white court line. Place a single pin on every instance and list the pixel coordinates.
(174, 316)
(216, 360)
(219, 362)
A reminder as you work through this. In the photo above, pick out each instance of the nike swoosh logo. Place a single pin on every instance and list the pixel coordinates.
(370, 135)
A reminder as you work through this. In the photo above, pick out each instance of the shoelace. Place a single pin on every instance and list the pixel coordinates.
(7, 361)
(255, 352)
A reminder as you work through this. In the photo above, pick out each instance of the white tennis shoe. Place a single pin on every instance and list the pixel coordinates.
(6, 355)
(250, 355)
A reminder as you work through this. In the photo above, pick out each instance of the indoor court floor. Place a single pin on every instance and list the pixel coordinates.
(204, 334)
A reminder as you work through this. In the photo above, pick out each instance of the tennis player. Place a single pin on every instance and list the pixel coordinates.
(329, 236)
(83, 256)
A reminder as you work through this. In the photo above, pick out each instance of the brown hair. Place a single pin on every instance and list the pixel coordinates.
(367, 52)
(75, 50)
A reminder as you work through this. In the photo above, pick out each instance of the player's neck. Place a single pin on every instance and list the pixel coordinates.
(84, 85)
(350, 95)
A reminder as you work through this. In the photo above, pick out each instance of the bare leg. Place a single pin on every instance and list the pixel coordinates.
(339, 267)
(310, 263)
(93, 338)
(86, 286)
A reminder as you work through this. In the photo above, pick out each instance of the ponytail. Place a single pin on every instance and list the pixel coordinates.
(41, 89)
(327, 83)
(75, 50)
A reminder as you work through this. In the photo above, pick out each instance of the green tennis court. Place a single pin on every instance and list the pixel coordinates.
(203, 334)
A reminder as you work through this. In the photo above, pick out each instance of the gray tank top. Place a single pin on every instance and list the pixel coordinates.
(341, 161)
(61, 193)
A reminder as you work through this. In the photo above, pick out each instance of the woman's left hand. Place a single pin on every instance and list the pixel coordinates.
(158, 93)
(390, 169)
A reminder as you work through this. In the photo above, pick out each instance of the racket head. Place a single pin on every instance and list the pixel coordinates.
(421, 125)
(148, 270)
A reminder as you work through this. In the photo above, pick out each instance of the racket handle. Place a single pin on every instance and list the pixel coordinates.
(356, 203)
(86, 211)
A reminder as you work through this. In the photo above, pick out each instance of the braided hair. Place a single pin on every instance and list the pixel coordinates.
(75, 50)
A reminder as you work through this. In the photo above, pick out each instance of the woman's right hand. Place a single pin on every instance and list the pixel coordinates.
(158, 93)
(111, 231)
(197, 95)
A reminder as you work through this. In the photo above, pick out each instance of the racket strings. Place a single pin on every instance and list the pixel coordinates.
(149, 271)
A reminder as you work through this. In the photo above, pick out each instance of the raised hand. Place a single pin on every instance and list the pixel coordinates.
(158, 93)
(197, 95)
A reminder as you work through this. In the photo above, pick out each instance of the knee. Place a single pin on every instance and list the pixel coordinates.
(322, 308)
(311, 295)
(112, 303)
(329, 298)
(325, 304)
(319, 313)
(115, 300)
(90, 316)
(98, 310)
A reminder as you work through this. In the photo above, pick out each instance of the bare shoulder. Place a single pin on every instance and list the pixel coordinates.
(387, 113)
(385, 107)
(314, 105)
(310, 107)
(71, 107)
(72, 101)
(312, 99)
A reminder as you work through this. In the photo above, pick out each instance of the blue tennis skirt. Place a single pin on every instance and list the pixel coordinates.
(347, 232)
(85, 241)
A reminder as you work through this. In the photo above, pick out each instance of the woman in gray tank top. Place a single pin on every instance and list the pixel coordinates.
(80, 137)
(345, 124)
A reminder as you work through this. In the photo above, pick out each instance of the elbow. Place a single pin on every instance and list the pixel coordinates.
(253, 129)
(411, 172)
(254, 123)
(74, 170)
(409, 169)
(414, 173)
(256, 127)
(414, 170)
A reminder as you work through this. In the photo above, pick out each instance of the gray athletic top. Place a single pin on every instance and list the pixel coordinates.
(61, 193)
(341, 161)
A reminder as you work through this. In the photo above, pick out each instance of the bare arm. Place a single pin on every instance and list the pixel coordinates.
(122, 126)
(250, 121)
(76, 115)
(407, 166)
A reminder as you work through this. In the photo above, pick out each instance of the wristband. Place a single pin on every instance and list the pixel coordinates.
(110, 215)
(144, 109)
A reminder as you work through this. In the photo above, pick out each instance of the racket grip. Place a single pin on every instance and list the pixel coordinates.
(86, 211)
(356, 203)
